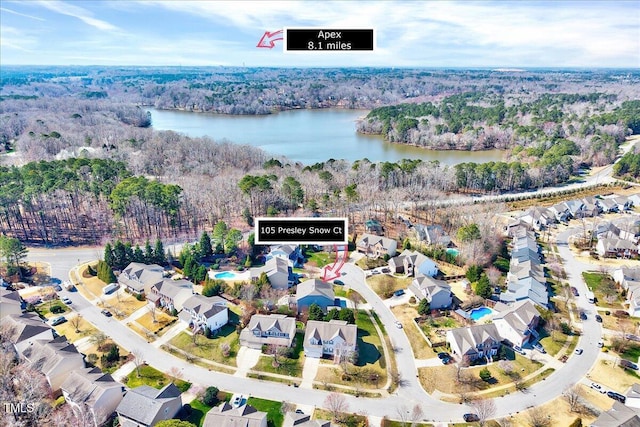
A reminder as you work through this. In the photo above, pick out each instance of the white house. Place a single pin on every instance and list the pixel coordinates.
(200, 312)
(517, 323)
(335, 338)
(474, 342)
(276, 329)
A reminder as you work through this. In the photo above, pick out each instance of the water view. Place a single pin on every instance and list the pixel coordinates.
(307, 136)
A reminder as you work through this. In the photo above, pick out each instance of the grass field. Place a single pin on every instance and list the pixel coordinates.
(210, 348)
(85, 329)
(271, 407)
(90, 287)
(45, 308)
(614, 377)
(291, 366)
(154, 378)
(198, 412)
(383, 283)
(406, 314)
(320, 259)
(163, 320)
(126, 306)
(598, 282)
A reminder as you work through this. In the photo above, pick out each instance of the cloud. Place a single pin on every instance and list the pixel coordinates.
(79, 13)
(4, 9)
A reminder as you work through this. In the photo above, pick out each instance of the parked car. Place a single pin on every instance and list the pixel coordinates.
(58, 320)
(442, 355)
(579, 351)
(600, 344)
(574, 291)
(628, 364)
(398, 324)
(518, 349)
(583, 315)
(106, 312)
(617, 396)
(539, 347)
(597, 387)
(236, 401)
(386, 270)
(632, 337)
(598, 318)
(299, 411)
(338, 282)
(446, 360)
(66, 300)
(470, 418)
(399, 292)
(57, 288)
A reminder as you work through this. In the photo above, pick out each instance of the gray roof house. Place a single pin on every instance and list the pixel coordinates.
(170, 293)
(335, 338)
(10, 302)
(517, 323)
(413, 263)
(633, 396)
(144, 406)
(376, 246)
(139, 278)
(276, 329)
(55, 359)
(432, 234)
(201, 312)
(225, 415)
(561, 212)
(291, 419)
(618, 416)
(314, 291)
(612, 248)
(91, 389)
(437, 292)
(525, 279)
(538, 218)
(25, 329)
(474, 342)
(278, 271)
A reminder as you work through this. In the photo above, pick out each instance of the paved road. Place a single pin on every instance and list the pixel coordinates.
(407, 395)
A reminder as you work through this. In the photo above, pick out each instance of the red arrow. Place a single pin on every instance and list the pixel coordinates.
(341, 257)
(268, 39)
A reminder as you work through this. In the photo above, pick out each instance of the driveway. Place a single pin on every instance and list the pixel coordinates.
(246, 359)
(309, 371)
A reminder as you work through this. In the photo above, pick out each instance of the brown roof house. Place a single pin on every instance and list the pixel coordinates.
(225, 415)
(276, 329)
(92, 390)
(376, 246)
(144, 406)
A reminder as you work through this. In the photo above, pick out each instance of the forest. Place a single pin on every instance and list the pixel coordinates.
(81, 162)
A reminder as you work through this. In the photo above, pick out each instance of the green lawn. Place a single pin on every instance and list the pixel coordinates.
(370, 351)
(632, 352)
(598, 283)
(210, 348)
(320, 259)
(553, 343)
(271, 407)
(44, 309)
(154, 378)
(198, 411)
(291, 366)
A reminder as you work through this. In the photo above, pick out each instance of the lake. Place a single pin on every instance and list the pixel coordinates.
(307, 136)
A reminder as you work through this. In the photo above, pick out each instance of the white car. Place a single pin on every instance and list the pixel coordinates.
(398, 324)
(579, 351)
(600, 344)
(66, 300)
(597, 387)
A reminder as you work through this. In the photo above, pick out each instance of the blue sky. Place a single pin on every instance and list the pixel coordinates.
(409, 33)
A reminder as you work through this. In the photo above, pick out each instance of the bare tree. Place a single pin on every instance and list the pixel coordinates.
(138, 359)
(174, 374)
(336, 404)
(153, 309)
(356, 298)
(403, 415)
(573, 396)
(75, 322)
(485, 409)
(416, 414)
(538, 418)
(99, 338)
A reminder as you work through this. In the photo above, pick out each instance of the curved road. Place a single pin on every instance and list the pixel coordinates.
(410, 393)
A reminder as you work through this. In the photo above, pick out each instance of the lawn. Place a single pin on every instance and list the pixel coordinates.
(154, 378)
(69, 331)
(98, 352)
(320, 259)
(632, 352)
(291, 366)
(406, 314)
(553, 343)
(435, 328)
(384, 285)
(163, 321)
(126, 306)
(209, 348)
(611, 376)
(598, 283)
(198, 411)
(90, 286)
(44, 309)
(271, 407)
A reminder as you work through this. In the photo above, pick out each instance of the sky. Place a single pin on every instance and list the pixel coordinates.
(415, 33)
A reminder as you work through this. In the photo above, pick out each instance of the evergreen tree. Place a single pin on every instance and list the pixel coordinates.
(200, 274)
(138, 255)
(108, 255)
(483, 287)
(423, 307)
(149, 257)
(205, 245)
(315, 312)
(159, 256)
(119, 256)
(332, 314)
(189, 267)
(231, 242)
(220, 231)
(128, 254)
(105, 273)
(348, 315)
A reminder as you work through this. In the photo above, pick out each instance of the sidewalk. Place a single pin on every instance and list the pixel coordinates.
(173, 331)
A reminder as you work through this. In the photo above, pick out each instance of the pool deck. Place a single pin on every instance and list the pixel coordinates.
(238, 276)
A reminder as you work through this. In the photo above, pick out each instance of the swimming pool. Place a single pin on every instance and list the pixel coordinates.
(226, 275)
(478, 313)
(452, 251)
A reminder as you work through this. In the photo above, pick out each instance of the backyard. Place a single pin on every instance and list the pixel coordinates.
(320, 259)
(211, 348)
(154, 378)
(98, 354)
(271, 407)
(435, 328)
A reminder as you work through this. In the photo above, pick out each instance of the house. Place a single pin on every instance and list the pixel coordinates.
(225, 415)
(291, 253)
(138, 277)
(24, 329)
(292, 419)
(413, 263)
(611, 248)
(11, 302)
(90, 389)
(576, 208)
(525, 279)
(373, 226)
(278, 271)
(608, 230)
(608, 205)
(275, 329)
(474, 342)
(55, 359)
(144, 406)
(623, 203)
(618, 416)
(335, 338)
(517, 323)
(200, 312)
(432, 234)
(633, 396)
(314, 291)
(170, 294)
(538, 218)
(437, 292)
(561, 212)
(591, 207)
(634, 200)
(376, 246)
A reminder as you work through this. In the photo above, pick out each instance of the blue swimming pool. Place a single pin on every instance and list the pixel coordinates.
(225, 275)
(452, 251)
(478, 313)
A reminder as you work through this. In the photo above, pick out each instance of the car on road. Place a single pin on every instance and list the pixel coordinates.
(617, 396)
(600, 344)
(375, 272)
(57, 288)
(518, 349)
(598, 318)
(579, 351)
(597, 387)
(443, 355)
(470, 418)
(539, 347)
(398, 324)
(398, 293)
(338, 282)
(106, 312)
(66, 300)
(299, 411)
(574, 291)
(58, 320)
(583, 315)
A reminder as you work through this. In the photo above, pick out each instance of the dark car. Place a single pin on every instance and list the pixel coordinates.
(338, 282)
(442, 355)
(470, 418)
(617, 396)
(58, 320)
(574, 291)
(598, 318)
(446, 360)
(386, 270)
(628, 364)
(399, 292)
(106, 312)
(583, 315)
